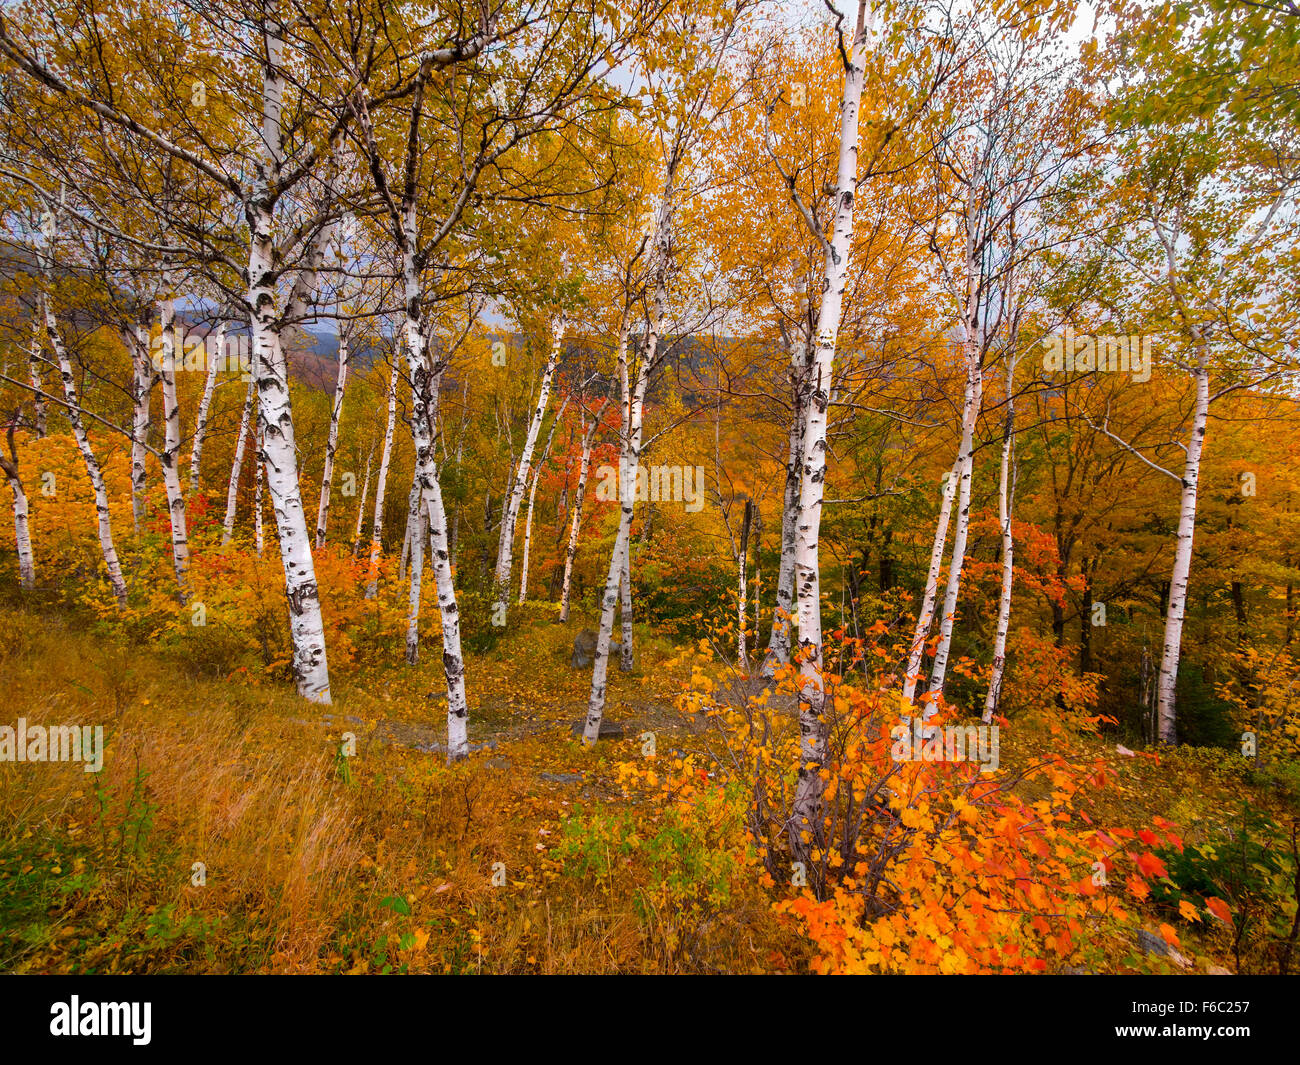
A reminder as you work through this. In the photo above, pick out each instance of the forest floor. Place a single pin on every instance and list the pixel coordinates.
(226, 833)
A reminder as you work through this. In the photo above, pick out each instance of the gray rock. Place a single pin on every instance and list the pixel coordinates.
(1154, 944)
(561, 778)
(609, 730)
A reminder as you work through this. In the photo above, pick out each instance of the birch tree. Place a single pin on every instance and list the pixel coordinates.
(237, 464)
(514, 498)
(22, 533)
(580, 492)
(332, 442)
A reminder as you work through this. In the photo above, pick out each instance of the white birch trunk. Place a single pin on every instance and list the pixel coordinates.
(528, 541)
(34, 372)
(361, 506)
(106, 545)
(143, 380)
(381, 485)
(237, 465)
(1167, 684)
(505, 550)
(275, 415)
(966, 460)
(628, 462)
(259, 536)
(169, 458)
(575, 521)
(1006, 492)
(925, 619)
(415, 536)
(742, 566)
(215, 359)
(778, 643)
(532, 498)
(22, 533)
(806, 814)
(625, 611)
(331, 446)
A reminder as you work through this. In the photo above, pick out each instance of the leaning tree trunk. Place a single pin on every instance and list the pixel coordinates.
(106, 546)
(1167, 685)
(806, 814)
(332, 443)
(22, 534)
(505, 550)
(575, 522)
(215, 360)
(966, 460)
(377, 526)
(361, 506)
(532, 498)
(628, 461)
(1006, 497)
(169, 458)
(237, 465)
(925, 619)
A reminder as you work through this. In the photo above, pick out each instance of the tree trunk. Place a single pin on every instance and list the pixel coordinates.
(377, 526)
(361, 506)
(201, 421)
(925, 619)
(22, 534)
(1165, 713)
(415, 535)
(966, 465)
(575, 520)
(275, 415)
(1006, 497)
(106, 545)
(625, 612)
(628, 462)
(532, 498)
(34, 372)
(742, 652)
(505, 550)
(806, 815)
(331, 446)
(169, 459)
(259, 539)
(778, 643)
(237, 465)
(143, 380)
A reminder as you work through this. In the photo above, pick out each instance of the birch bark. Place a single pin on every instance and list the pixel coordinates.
(505, 551)
(332, 443)
(806, 814)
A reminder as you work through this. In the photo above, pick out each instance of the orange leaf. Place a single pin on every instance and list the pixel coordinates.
(1149, 865)
(1188, 912)
(1220, 910)
(1170, 936)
